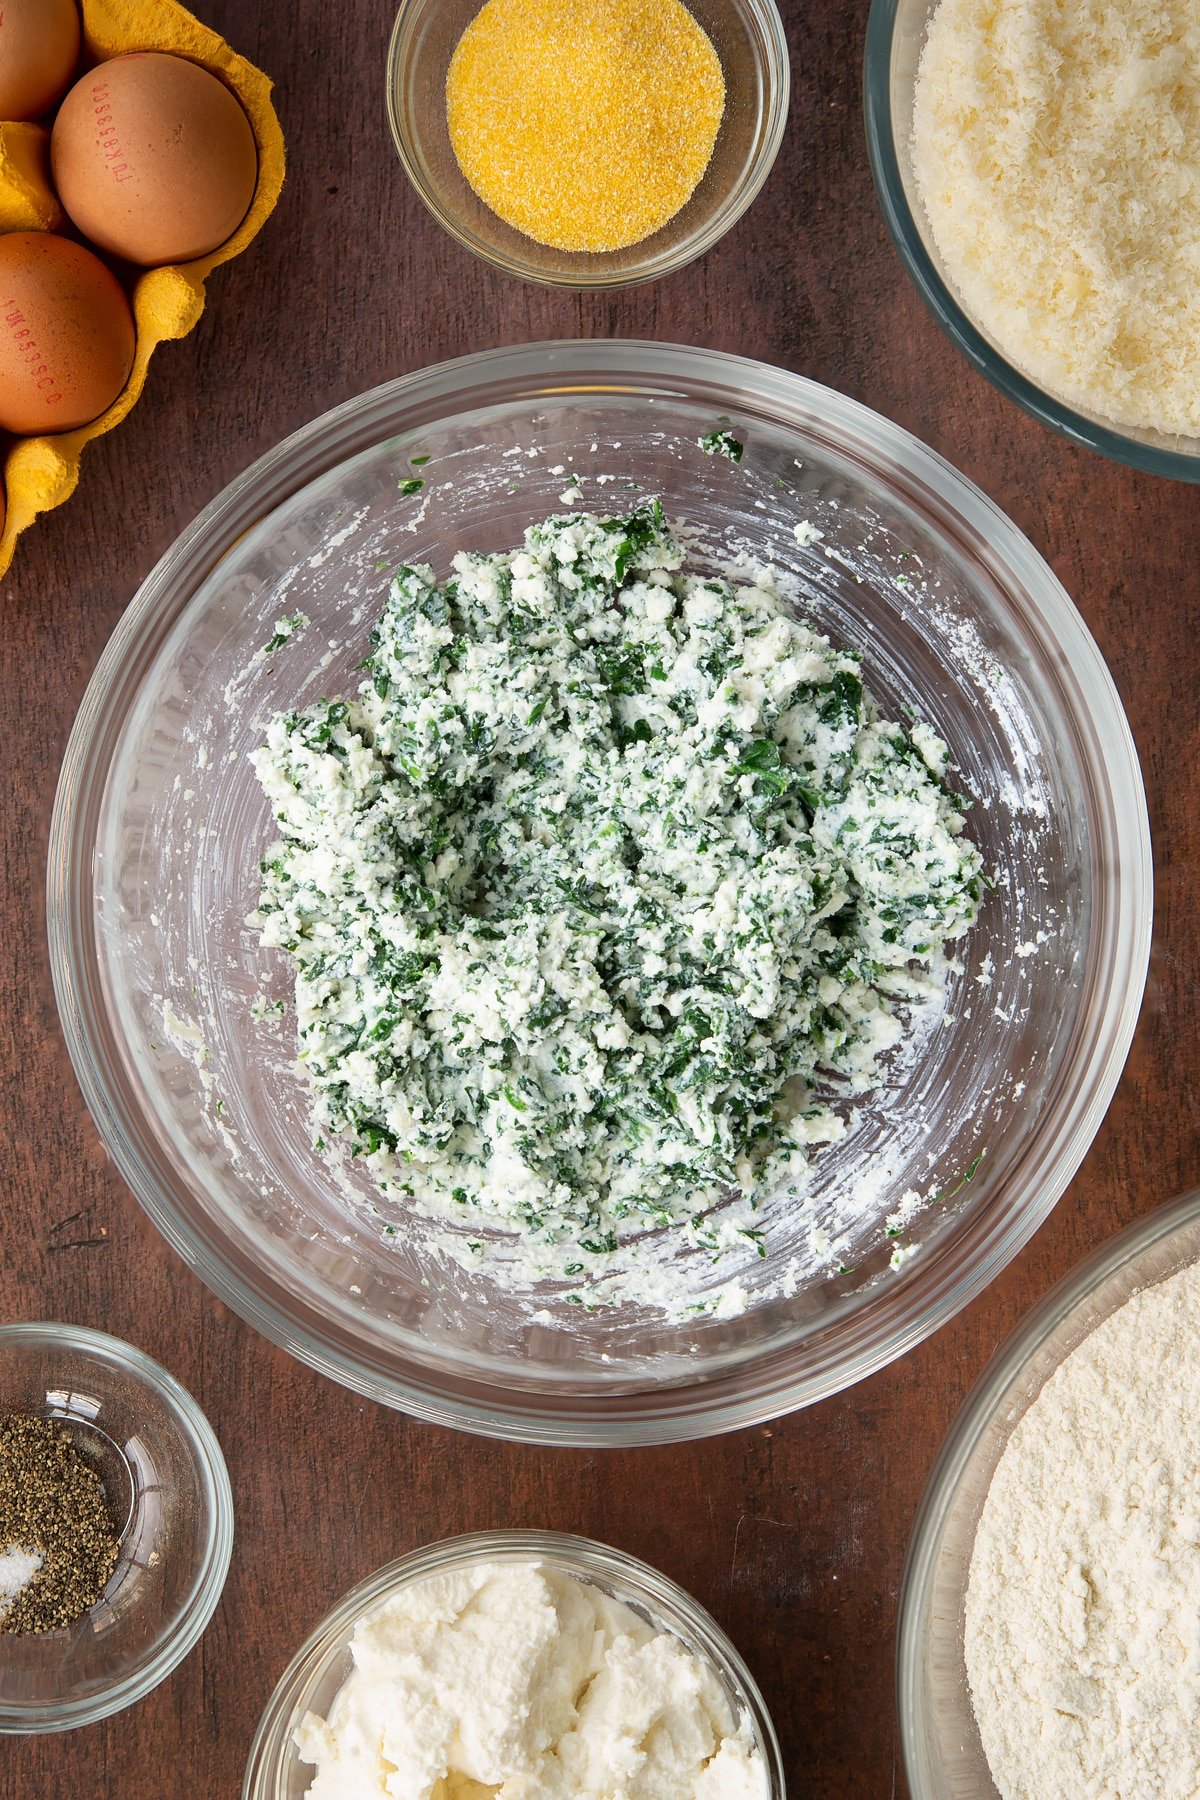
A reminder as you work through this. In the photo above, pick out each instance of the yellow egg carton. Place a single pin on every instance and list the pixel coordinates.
(42, 472)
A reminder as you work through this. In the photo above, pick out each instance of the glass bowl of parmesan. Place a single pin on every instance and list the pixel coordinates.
(588, 143)
(514, 1656)
(1050, 1593)
(599, 893)
(1029, 161)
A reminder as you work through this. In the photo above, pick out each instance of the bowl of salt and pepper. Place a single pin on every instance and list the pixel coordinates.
(116, 1526)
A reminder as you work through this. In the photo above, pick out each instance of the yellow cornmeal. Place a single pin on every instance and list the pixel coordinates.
(586, 124)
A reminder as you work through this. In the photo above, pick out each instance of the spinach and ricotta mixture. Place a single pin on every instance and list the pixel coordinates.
(605, 883)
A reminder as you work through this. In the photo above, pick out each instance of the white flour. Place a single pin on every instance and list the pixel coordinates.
(1083, 1605)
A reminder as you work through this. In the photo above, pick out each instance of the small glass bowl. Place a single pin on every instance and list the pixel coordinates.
(895, 38)
(944, 1757)
(276, 1770)
(749, 38)
(166, 1483)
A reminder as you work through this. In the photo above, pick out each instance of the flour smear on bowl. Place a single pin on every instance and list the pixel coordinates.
(603, 877)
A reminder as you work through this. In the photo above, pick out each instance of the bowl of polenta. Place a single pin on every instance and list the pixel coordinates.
(587, 143)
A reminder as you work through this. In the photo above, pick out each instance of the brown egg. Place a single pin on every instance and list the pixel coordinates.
(39, 47)
(153, 158)
(66, 334)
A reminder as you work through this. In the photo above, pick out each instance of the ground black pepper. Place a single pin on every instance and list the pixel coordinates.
(52, 1501)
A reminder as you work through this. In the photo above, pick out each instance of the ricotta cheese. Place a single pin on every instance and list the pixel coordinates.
(604, 873)
(519, 1681)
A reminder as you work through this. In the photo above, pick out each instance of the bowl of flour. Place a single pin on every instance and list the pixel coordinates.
(600, 893)
(1046, 1641)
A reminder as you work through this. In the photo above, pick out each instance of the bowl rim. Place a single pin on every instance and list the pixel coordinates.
(775, 68)
(195, 1613)
(582, 1557)
(1002, 1373)
(654, 1414)
(1107, 440)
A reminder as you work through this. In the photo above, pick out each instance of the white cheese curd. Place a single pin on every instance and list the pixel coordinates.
(602, 876)
(518, 1680)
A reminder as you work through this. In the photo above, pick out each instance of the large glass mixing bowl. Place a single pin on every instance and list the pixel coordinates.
(180, 1027)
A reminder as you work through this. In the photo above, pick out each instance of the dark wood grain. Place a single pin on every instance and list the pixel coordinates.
(794, 1535)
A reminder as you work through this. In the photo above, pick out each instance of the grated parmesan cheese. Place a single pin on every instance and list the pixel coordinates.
(1057, 151)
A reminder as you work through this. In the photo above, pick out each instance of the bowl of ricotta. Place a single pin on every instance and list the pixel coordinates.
(1047, 1614)
(599, 893)
(517, 1662)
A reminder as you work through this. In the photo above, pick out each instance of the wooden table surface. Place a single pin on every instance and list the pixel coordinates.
(794, 1535)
